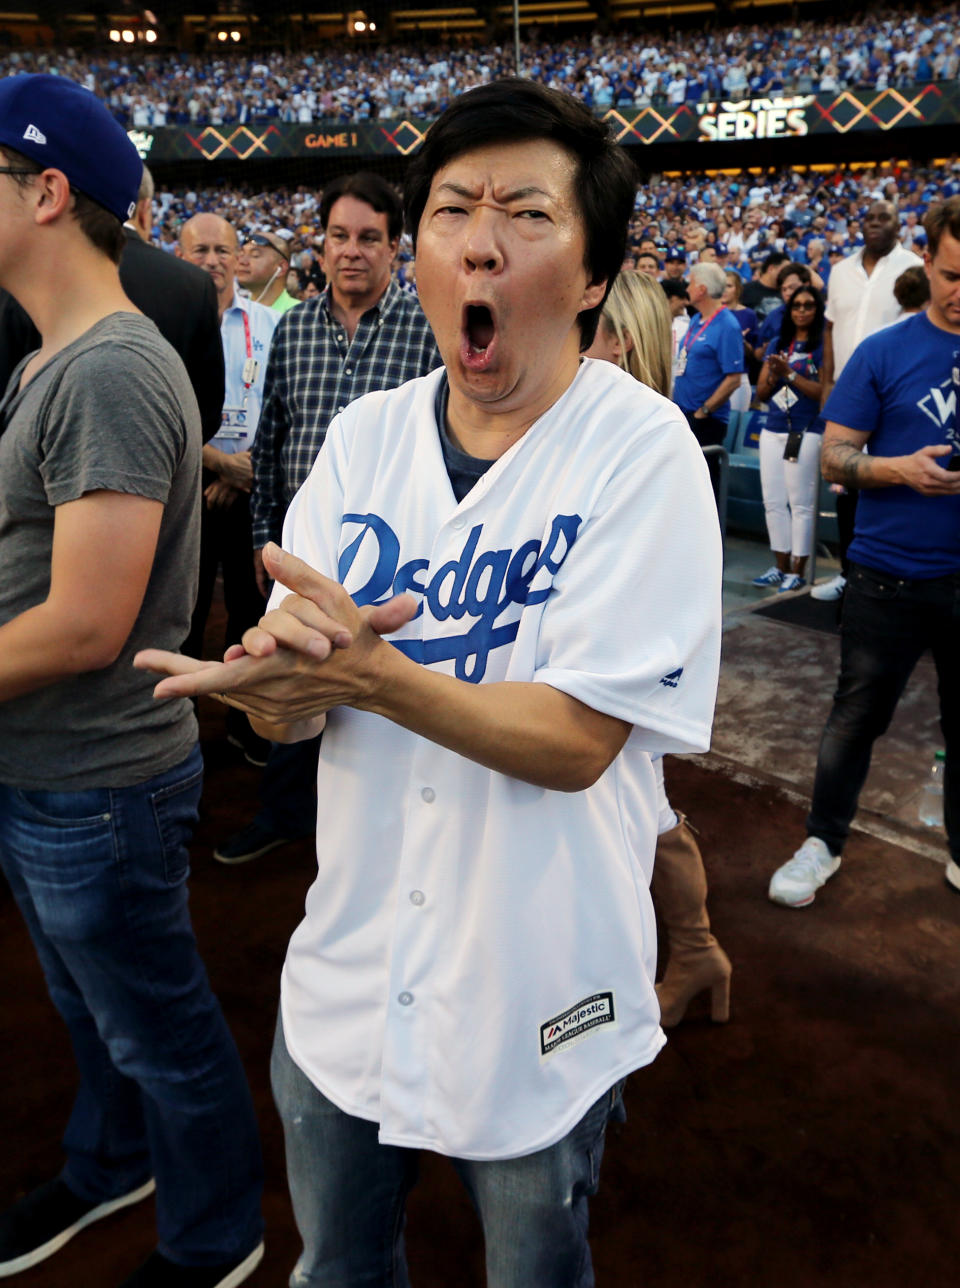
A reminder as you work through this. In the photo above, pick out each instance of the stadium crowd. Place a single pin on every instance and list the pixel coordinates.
(816, 218)
(890, 47)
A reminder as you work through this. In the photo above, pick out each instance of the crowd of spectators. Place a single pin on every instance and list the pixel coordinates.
(877, 50)
(816, 217)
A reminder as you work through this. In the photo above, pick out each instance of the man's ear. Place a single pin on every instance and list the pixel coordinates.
(593, 295)
(51, 193)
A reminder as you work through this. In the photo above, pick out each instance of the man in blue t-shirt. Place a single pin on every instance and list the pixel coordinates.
(897, 395)
(709, 361)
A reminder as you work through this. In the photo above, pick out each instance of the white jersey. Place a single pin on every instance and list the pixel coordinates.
(476, 962)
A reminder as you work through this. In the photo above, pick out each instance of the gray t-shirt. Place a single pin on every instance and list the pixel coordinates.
(113, 411)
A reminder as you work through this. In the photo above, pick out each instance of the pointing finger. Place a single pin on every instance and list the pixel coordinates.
(299, 577)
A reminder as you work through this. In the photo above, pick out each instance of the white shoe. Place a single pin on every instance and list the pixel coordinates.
(829, 590)
(792, 581)
(953, 876)
(795, 884)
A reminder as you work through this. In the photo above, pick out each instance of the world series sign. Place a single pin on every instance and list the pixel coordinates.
(756, 118)
(724, 121)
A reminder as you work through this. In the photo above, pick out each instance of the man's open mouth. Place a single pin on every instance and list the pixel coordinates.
(479, 327)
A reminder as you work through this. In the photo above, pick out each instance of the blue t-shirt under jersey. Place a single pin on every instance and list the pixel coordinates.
(898, 387)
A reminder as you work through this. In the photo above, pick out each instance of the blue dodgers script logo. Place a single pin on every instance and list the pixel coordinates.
(480, 586)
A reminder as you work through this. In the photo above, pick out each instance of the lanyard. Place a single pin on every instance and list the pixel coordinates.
(249, 344)
(688, 343)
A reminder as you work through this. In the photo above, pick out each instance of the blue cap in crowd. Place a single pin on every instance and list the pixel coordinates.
(674, 254)
(63, 126)
(721, 248)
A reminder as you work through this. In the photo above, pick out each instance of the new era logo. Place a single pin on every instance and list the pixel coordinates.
(33, 135)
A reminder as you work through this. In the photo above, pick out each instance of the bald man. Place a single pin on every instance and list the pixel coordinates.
(246, 330)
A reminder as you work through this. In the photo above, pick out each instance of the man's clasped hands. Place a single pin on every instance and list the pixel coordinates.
(315, 651)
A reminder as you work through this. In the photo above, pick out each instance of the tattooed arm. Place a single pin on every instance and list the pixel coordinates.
(842, 460)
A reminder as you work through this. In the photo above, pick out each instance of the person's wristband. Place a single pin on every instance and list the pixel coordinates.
(704, 409)
(792, 377)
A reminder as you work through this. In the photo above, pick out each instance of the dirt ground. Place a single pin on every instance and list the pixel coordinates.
(814, 1140)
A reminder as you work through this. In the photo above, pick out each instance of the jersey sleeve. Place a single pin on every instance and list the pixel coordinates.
(311, 529)
(632, 626)
(856, 399)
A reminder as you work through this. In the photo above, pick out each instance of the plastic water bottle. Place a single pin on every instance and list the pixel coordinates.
(931, 798)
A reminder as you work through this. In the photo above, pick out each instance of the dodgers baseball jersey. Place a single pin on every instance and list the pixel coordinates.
(476, 962)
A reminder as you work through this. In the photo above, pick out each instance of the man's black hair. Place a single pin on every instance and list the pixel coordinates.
(376, 192)
(674, 286)
(516, 111)
(789, 269)
(772, 260)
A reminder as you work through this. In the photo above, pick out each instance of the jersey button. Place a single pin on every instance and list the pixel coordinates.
(429, 795)
(458, 522)
(405, 999)
(349, 370)
(418, 898)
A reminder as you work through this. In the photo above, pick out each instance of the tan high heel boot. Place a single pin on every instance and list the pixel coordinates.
(696, 961)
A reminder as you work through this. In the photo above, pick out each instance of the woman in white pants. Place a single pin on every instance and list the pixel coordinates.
(790, 441)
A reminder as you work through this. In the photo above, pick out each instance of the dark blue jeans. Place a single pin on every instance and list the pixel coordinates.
(349, 1193)
(886, 626)
(288, 789)
(100, 877)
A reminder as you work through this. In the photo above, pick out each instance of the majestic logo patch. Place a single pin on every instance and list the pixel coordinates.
(672, 678)
(577, 1022)
(33, 135)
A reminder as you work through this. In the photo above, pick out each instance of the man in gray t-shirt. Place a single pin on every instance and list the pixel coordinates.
(99, 785)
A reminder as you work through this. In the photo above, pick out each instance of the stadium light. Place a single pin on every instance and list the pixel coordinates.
(358, 24)
(234, 36)
(128, 37)
(115, 36)
(221, 35)
(150, 37)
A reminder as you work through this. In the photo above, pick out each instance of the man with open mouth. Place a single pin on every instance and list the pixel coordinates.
(482, 598)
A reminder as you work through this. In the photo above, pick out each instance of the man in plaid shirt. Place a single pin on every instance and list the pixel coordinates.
(363, 333)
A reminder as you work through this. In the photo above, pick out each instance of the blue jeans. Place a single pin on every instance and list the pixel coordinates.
(288, 789)
(100, 877)
(349, 1194)
(887, 624)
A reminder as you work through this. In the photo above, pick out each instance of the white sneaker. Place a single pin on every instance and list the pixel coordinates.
(829, 590)
(797, 882)
(792, 581)
(953, 876)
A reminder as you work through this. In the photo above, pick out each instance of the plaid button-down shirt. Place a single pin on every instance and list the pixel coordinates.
(314, 371)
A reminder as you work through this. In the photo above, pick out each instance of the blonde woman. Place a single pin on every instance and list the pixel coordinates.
(635, 334)
(635, 331)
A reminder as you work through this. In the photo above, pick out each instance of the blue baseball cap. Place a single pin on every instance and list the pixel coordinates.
(721, 248)
(674, 254)
(63, 126)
